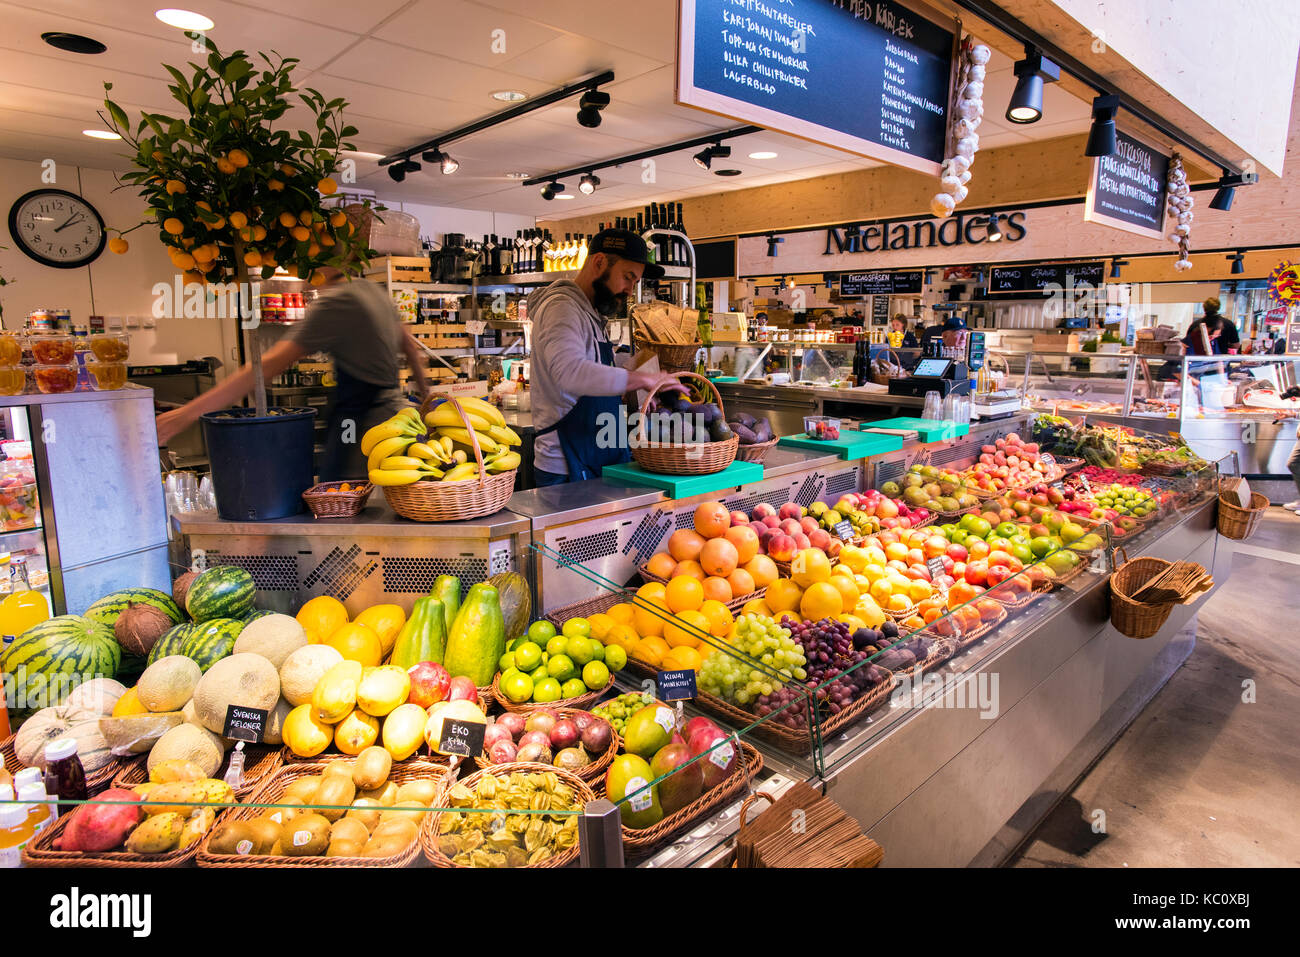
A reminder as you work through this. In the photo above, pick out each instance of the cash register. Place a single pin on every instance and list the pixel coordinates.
(933, 374)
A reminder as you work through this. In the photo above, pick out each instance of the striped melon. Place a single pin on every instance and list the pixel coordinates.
(226, 591)
(171, 642)
(62, 650)
(108, 608)
(211, 641)
(257, 613)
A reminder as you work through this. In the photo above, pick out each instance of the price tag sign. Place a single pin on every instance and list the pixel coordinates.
(475, 327)
(844, 530)
(462, 737)
(677, 685)
(935, 565)
(245, 724)
(1087, 486)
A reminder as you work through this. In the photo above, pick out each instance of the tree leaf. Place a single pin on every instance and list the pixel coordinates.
(120, 122)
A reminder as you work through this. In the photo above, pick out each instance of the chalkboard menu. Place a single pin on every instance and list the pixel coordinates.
(879, 310)
(869, 77)
(1127, 189)
(854, 284)
(1038, 278)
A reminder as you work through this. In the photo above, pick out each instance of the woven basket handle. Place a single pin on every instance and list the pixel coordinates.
(744, 811)
(894, 355)
(431, 402)
(1123, 552)
(645, 406)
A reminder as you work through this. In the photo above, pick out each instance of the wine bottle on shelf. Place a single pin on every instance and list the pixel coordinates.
(680, 226)
(582, 251)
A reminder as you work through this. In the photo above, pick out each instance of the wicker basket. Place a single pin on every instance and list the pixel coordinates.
(590, 773)
(673, 356)
(698, 458)
(975, 635)
(755, 453)
(271, 791)
(1157, 347)
(880, 379)
(587, 607)
(11, 762)
(260, 762)
(1236, 522)
(325, 502)
(582, 792)
(578, 703)
(1131, 618)
(452, 501)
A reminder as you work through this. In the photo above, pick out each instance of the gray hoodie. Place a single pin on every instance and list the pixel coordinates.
(565, 363)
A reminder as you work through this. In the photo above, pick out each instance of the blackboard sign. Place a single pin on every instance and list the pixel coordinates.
(879, 310)
(715, 260)
(1007, 279)
(462, 737)
(1127, 189)
(866, 284)
(868, 77)
(908, 283)
(244, 724)
(1094, 274)
(844, 530)
(1037, 278)
(676, 685)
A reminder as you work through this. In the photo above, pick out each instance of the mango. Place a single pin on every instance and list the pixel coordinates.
(382, 689)
(649, 730)
(304, 733)
(335, 695)
(403, 731)
(356, 732)
(629, 774)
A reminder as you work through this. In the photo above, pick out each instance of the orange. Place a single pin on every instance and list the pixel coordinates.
(783, 595)
(322, 615)
(601, 625)
(741, 582)
(688, 568)
(327, 186)
(763, 570)
(238, 157)
(623, 636)
(685, 544)
(681, 658)
(648, 622)
(652, 591)
(684, 594)
(809, 566)
(847, 589)
(651, 651)
(720, 617)
(385, 621)
(300, 233)
(661, 564)
(821, 600)
(756, 606)
(173, 226)
(746, 541)
(718, 589)
(676, 634)
(719, 557)
(288, 220)
(357, 643)
(899, 602)
(118, 245)
(621, 613)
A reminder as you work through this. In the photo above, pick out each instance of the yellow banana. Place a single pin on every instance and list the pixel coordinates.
(447, 444)
(447, 415)
(485, 441)
(431, 453)
(398, 425)
(460, 473)
(504, 463)
(396, 476)
(483, 409)
(460, 457)
(394, 446)
(400, 462)
(504, 434)
(412, 412)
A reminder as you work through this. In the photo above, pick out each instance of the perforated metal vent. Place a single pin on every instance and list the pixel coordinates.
(841, 482)
(341, 572)
(415, 575)
(742, 503)
(649, 533)
(807, 493)
(889, 471)
(589, 548)
(685, 519)
(954, 454)
(270, 572)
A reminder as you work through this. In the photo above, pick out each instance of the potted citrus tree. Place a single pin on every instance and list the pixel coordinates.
(233, 197)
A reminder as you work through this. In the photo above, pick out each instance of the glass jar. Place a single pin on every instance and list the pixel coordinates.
(11, 350)
(111, 347)
(13, 379)
(19, 504)
(56, 378)
(52, 349)
(108, 375)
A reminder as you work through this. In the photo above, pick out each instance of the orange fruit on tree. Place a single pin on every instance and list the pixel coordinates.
(661, 564)
(183, 261)
(173, 225)
(327, 186)
(622, 613)
(688, 568)
(323, 616)
(821, 600)
(719, 557)
(327, 240)
(687, 628)
(682, 657)
(684, 594)
(238, 220)
(238, 157)
(288, 220)
(317, 279)
(357, 643)
(313, 250)
(763, 570)
(718, 589)
(385, 621)
(809, 566)
(118, 245)
(650, 616)
(338, 218)
(720, 617)
(259, 232)
(225, 166)
(300, 233)
(847, 588)
(274, 185)
(175, 186)
(783, 595)
(252, 258)
(685, 544)
(741, 582)
(305, 217)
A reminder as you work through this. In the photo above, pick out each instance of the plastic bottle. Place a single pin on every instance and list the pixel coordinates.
(65, 778)
(39, 813)
(15, 832)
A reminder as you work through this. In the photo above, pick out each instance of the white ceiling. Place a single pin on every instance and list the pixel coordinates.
(413, 68)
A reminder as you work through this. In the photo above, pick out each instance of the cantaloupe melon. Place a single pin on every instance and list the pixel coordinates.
(246, 680)
(97, 694)
(274, 637)
(272, 733)
(169, 683)
(303, 668)
(189, 742)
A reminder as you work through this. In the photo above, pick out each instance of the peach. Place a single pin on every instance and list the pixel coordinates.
(782, 547)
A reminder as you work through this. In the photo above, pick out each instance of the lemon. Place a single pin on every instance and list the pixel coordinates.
(572, 688)
(528, 654)
(518, 687)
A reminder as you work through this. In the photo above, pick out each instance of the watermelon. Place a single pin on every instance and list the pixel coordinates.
(107, 609)
(257, 613)
(226, 591)
(516, 600)
(211, 641)
(66, 645)
(171, 642)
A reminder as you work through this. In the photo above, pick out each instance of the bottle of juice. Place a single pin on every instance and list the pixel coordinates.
(15, 832)
(39, 806)
(23, 607)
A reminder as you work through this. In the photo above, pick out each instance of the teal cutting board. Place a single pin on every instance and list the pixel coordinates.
(928, 430)
(684, 486)
(725, 378)
(850, 444)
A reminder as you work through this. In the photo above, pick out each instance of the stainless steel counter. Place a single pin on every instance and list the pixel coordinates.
(375, 519)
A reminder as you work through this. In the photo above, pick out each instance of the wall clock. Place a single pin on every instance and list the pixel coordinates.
(57, 228)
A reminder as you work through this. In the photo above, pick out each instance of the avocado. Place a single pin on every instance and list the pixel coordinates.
(719, 431)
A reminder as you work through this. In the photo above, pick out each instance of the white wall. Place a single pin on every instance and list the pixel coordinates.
(435, 221)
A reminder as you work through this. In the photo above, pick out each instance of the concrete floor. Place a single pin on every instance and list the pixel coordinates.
(1202, 778)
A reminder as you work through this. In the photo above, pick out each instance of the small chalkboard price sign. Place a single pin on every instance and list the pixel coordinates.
(462, 737)
(676, 685)
(935, 567)
(245, 724)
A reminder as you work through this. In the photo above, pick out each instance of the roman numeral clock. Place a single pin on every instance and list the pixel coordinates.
(57, 228)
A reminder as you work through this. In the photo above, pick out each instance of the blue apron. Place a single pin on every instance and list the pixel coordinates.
(362, 403)
(578, 428)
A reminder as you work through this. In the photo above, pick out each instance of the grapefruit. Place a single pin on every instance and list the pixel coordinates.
(719, 557)
(685, 544)
(712, 519)
(746, 541)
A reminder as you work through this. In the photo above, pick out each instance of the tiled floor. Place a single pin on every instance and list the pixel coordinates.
(1206, 777)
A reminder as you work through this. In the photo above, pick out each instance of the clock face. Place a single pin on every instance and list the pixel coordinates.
(57, 228)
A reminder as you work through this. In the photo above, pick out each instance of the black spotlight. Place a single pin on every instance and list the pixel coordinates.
(995, 232)
(1026, 105)
(705, 157)
(436, 157)
(1238, 262)
(589, 107)
(1101, 137)
(1115, 265)
(551, 190)
(398, 171)
(1223, 197)
(589, 183)
(73, 42)
(772, 243)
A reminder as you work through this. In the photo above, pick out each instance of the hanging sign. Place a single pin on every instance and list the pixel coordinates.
(1127, 188)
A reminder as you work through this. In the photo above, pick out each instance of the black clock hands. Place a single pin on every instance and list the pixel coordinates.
(74, 218)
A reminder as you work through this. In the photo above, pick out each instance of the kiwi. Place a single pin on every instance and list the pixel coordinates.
(385, 794)
(349, 829)
(370, 770)
(266, 832)
(232, 837)
(390, 842)
(337, 767)
(397, 812)
(423, 791)
(308, 835)
(367, 811)
(301, 791)
(344, 848)
(333, 796)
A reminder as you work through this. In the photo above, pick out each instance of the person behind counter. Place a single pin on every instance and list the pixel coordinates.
(900, 337)
(575, 383)
(1215, 328)
(357, 324)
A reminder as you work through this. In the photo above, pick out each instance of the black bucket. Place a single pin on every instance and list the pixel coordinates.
(260, 466)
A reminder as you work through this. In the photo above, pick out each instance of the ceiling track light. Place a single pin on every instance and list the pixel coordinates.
(1115, 265)
(397, 172)
(1238, 260)
(713, 150)
(1026, 104)
(551, 190)
(589, 183)
(995, 231)
(772, 243)
(705, 157)
(589, 107)
(1101, 136)
(435, 157)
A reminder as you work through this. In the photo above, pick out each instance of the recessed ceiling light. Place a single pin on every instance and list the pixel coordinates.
(509, 96)
(184, 19)
(101, 134)
(763, 155)
(73, 42)
(565, 196)
(726, 172)
(518, 175)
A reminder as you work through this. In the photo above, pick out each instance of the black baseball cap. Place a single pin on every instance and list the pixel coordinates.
(625, 244)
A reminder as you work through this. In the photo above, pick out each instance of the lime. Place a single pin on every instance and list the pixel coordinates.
(597, 651)
(527, 655)
(580, 650)
(561, 667)
(539, 674)
(506, 661)
(615, 658)
(514, 643)
(595, 675)
(572, 688)
(548, 689)
(516, 686)
(576, 628)
(541, 631)
(557, 646)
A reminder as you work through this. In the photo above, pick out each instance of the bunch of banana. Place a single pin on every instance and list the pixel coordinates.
(495, 438)
(405, 450)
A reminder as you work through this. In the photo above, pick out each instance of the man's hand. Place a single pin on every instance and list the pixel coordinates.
(649, 381)
(170, 424)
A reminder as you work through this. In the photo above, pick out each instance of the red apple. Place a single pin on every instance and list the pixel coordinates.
(977, 572)
(887, 508)
(957, 553)
(808, 524)
(998, 574)
(429, 683)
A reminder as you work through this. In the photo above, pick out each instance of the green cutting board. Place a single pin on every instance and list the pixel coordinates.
(725, 378)
(684, 486)
(850, 445)
(928, 430)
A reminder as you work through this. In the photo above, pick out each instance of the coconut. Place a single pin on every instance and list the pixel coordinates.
(181, 587)
(139, 627)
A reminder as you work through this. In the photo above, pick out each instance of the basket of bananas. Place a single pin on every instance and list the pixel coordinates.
(449, 460)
